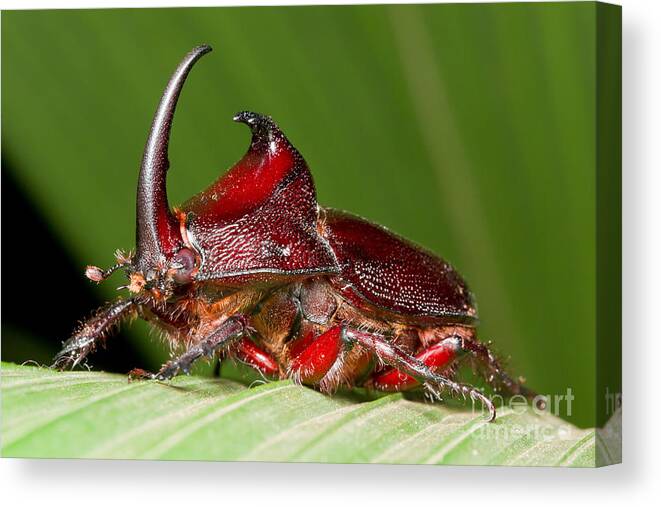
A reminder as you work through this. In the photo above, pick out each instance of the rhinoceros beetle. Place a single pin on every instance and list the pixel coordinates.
(254, 268)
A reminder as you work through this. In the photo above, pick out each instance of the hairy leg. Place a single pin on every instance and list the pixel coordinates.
(495, 375)
(91, 332)
(433, 382)
(321, 361)
(316, 356)
(226, 334)
(442, 355)
(436, 357)
(249, 353)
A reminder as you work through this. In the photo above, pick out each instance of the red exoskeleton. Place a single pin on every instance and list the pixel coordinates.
(253, 267)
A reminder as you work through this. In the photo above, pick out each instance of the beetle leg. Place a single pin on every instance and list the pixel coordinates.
(494, 373)
(336, 374)
(436, 357)
(324, 360)
(248, 353)
(320, 354)
(257, 358)
(226, 334)
(93, 330)
(397, 358)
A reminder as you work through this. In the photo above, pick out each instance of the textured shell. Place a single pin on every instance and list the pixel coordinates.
(383, 270)
(261, 221)
(260, 218)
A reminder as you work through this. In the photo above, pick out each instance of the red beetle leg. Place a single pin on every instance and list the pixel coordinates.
(313, 362)
(397, 358)
(254, 356)
(437, 357)
(297, 346)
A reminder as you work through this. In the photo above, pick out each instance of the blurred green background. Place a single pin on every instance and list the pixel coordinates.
(466, 128)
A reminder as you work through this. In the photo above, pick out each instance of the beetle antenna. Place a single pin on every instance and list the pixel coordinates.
(98, 275)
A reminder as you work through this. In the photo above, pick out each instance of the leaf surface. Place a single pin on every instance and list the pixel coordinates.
(101, 415)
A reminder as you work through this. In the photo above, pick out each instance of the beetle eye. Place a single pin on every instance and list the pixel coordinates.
(184, 262)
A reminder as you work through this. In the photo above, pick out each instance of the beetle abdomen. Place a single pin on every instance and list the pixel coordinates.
(393, 274)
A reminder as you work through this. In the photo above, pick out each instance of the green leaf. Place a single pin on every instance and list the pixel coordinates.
(101, 415)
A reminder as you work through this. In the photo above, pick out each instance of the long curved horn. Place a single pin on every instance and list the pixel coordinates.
(157, 230)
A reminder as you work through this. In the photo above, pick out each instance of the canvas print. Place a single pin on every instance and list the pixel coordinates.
(408, 253)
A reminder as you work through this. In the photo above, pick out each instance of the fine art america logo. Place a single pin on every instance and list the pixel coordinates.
(529, 424)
